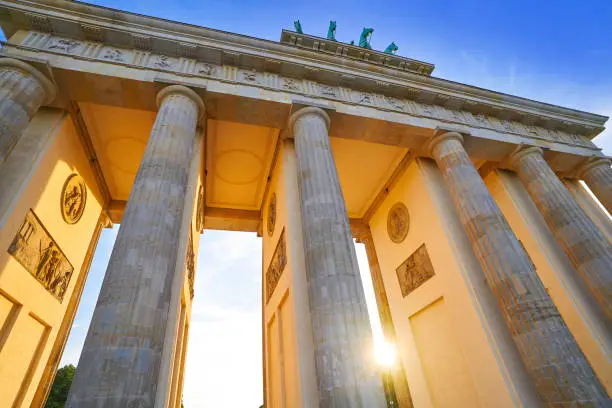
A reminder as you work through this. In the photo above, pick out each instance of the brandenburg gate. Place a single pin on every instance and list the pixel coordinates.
(491, 262)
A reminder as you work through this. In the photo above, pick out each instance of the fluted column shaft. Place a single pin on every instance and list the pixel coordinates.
(121, 358)
(23, 90)
(582, 241)
(597, 174)
(561, 373)
(342, 334)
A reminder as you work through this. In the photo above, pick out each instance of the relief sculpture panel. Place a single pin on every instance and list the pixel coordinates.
(34, 248)
(415, 271)
(276, 267)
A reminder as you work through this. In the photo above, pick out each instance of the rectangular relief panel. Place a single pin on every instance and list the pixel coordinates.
(277, 266)
(35, 249)
(450, 383)
(415, 271)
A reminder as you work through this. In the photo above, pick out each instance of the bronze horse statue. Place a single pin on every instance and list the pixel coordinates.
(364, 39)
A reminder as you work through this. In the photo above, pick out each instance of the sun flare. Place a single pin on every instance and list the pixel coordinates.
(384, 353)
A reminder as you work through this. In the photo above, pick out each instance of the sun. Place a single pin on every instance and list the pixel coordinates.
(384, 353)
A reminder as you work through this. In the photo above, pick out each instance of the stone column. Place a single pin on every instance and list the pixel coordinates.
(121, 358)
(582, 241)
(597, 174)
(561, 373)
(343, 345)
(23, 90)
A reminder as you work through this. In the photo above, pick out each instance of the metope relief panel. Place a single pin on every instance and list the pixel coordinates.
(35, 249)
(277, 266)
(415, 271)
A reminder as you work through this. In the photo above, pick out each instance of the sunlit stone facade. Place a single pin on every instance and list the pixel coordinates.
(491, 264)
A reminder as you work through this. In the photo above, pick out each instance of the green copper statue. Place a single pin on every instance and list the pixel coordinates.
(364, 39)
(391, 49)
(298, 27)
(331, 32)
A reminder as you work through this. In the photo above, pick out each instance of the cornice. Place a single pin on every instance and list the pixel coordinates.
(128, 30)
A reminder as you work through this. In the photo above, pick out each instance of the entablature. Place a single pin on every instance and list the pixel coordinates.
(82, 22)
(196, 73)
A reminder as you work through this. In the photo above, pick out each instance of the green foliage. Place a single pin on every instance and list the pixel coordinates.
(61, 387)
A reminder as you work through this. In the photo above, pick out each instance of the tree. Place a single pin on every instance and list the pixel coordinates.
(60, 388)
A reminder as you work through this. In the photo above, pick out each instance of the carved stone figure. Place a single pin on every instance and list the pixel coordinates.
(364, 39)
(190, 263)
(73, 198)
(250, 76)
(206, 69)
(113, 55)
(290, 84)
(415, 271)
(271, 215)
(164, 62)
(298, 27)
(391, 48)
(40, 255)
(200, 210)
(62, 44)
(398, 222)
(276, 267)
(331, 32)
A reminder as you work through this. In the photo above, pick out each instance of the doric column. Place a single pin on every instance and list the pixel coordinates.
(121, 358)
(597, 174)
(342, 333)
(561, 373)
(584, 244)
(23, 90)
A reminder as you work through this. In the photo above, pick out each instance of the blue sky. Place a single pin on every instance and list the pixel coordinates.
(558, 52)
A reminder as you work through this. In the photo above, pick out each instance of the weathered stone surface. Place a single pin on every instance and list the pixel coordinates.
(121, 358)
(22, 91)
(582, 241)
(560, 371)
(597, 174)
(342, 335)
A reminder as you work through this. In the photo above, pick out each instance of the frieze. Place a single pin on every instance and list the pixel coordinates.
(276, 267)
(35, 249)
(413, 105)
(415, 271)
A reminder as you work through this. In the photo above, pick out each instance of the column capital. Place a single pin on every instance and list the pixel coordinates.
(181, 90)
(49, 87)
(441, 136)
(523, 151)
(591, 163)
(310, 110)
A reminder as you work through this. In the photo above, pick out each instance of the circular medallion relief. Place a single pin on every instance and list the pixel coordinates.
(200, 210)
(72, 201)
(398, 222)
(272, 214)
